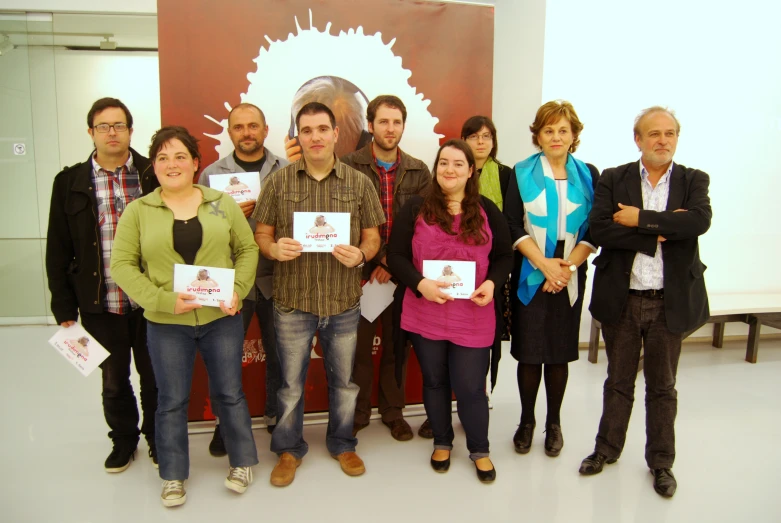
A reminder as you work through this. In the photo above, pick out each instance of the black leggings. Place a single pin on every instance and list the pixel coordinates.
(529, 377)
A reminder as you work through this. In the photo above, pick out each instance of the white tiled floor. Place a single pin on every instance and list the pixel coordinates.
(728, 465)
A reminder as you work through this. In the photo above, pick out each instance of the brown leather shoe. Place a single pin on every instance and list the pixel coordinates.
(351, 464)
(285, 470)
(400, 429)
(425, 430)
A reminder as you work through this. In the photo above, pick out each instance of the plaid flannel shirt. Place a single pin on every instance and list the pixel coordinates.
(114, 191)
(387, 180)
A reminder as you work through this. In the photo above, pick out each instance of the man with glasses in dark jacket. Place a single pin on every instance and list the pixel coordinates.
(87, 200)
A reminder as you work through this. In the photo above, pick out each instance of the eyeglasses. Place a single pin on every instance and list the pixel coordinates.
(104, 127)
(486, 137)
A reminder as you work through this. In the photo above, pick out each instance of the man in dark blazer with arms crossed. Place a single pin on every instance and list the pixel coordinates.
(648, 288)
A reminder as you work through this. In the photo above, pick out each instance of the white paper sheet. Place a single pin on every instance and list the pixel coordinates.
(376, 298)
(459, 274)
(210, 285)
(78, 347)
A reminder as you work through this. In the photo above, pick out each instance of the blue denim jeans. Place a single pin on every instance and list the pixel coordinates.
(449, 368)
(338, 336)
(172, 349)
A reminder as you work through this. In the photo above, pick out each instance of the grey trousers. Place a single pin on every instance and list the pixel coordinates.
(642, 324)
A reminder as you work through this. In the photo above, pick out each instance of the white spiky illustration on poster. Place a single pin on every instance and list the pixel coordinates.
(313, 59)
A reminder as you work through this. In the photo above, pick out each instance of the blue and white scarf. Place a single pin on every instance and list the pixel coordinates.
(541, 212)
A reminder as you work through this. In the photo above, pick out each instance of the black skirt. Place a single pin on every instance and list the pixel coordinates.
(546, 330)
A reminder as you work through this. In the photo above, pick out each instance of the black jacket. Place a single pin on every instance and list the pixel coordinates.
(74, 258)
(685, 298)
(400, 263)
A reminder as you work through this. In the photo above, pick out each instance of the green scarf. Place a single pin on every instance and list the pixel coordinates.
(489, 182)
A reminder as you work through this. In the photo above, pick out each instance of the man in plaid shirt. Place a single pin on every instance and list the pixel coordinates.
(87, 201)
(396, 177)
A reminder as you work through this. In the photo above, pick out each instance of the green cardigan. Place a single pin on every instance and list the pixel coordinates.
(143, 255)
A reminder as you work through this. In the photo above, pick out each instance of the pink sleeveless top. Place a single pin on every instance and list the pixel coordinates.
(459, 321)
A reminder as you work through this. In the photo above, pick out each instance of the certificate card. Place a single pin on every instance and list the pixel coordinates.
(321, 232)
(210, 285)
(459, 274)
(244, 187)
(78, 347)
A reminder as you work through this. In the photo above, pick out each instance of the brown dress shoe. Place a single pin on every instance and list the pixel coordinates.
(351, 464)
(425, 430)
(400, 429)
(285, 471)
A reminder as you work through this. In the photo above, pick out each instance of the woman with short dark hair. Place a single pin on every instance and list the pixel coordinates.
(183, 223)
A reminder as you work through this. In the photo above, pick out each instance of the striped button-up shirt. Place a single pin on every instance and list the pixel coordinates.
(114, 191)
(648, 272)
(316, 282)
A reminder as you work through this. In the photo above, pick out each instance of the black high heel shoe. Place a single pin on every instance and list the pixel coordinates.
(440, 466)
(486, 476)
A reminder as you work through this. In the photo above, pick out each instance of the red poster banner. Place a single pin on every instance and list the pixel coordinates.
(436, 56)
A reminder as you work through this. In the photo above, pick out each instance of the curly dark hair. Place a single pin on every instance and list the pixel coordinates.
(434, 209)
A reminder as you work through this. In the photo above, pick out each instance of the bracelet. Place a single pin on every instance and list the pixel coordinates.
(363, 261)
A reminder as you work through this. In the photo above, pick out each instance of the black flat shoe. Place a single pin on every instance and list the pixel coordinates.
(554, 441)
(523, 437)
(486, 476)
(594, 462)
(664, 482)
(440, 466)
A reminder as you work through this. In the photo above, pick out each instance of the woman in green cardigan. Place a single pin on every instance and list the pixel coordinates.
(189, 224)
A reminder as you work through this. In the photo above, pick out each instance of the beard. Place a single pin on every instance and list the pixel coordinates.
(249, 148)
(382, 141)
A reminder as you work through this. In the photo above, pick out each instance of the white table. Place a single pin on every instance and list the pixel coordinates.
(753, 309)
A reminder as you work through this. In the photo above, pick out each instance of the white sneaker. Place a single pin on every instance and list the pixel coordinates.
(173, 493)
(239, 479)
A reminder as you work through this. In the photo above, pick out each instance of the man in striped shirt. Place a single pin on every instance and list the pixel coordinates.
(316, 291)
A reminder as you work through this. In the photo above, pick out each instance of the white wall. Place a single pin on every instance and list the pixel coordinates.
(717, 67)
(84, 76)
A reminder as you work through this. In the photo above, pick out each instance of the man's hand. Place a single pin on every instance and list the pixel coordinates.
(348, 255)
(285, 249)
(233, 309)
(67, 324)
(292, 149)
(430, 290)
(380, 274)
(247, 208)
(181, 307)
(628, 216)
(484, 294)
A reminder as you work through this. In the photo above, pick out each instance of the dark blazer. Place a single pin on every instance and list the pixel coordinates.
(685, 298)
(74, 257)
(505, 172)
(400, 263)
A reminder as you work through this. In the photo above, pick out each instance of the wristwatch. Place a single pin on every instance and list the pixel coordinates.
(363, 261)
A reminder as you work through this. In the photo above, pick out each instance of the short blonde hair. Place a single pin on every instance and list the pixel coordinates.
(652, 110)
(551, 113)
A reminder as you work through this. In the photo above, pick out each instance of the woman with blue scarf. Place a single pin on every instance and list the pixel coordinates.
(547, 206)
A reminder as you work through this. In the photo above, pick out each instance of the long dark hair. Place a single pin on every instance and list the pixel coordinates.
(434, 209)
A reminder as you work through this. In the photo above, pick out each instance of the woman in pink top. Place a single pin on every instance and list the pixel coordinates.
(452, 337)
